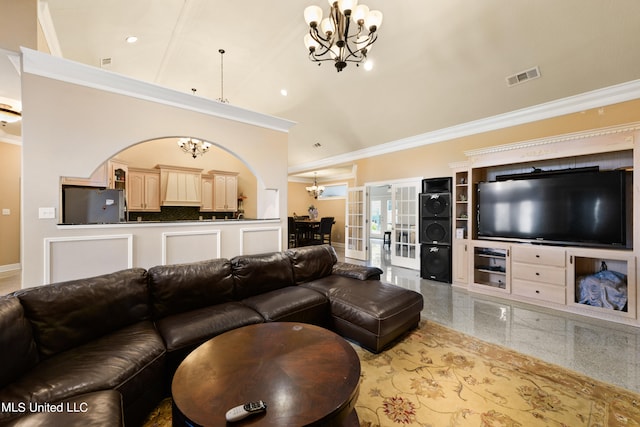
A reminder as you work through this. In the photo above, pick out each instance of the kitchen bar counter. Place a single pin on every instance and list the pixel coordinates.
(84, 250)
(172, 223)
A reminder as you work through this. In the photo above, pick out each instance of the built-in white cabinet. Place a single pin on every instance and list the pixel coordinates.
(143, 190)
(460, 269)
(535, 272)
(538, 272)
(225, 191)
(583, 295)
(491, 267)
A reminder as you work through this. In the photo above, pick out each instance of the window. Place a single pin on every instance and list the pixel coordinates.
(334, 191)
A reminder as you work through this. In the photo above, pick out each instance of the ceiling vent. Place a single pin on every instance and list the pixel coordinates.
(523, 76)
(105, 63)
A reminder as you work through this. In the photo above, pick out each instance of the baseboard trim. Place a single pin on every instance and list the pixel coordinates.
(10, 267)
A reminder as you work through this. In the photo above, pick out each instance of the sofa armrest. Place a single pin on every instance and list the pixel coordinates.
(354, 271)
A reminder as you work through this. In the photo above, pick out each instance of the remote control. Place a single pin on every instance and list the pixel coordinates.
(243, 411)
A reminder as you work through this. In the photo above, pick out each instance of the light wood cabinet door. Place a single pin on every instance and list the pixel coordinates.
(207, 193)
(135, 192)
(143, 191)
(152, 192)
(225, 193)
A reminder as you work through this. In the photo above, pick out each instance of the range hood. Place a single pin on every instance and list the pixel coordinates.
(180, 186)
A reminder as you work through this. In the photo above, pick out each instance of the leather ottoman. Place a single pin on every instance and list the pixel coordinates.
(371, 315)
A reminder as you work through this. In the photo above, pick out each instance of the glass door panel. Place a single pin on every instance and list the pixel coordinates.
(405, 246)
(355, 224)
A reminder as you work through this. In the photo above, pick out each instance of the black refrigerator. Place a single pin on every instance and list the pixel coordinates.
(91, 205)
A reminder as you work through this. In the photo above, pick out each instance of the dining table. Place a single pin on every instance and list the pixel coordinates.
(305, 228)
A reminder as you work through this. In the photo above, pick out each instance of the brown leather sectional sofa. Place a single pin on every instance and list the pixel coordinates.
(102, 350)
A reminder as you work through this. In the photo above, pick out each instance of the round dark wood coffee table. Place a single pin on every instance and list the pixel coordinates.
(307, 375)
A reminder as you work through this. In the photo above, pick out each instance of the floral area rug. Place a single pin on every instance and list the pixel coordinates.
(438, 377)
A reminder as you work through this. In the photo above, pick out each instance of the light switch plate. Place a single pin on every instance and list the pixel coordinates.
(47, 213)
(6, 211)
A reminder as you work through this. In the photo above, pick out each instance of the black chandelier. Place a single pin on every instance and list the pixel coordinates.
(334, 38)
(194, 147)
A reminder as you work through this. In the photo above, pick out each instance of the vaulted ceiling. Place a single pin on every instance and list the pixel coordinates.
(437, 63)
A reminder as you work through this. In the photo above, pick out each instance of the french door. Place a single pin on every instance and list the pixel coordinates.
(405, 244)
(356, 224)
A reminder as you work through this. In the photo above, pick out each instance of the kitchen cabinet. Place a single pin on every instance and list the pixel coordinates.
(180, 186)
(225, 191)
(97, 179)
(143, 190)
(207, 193)
(118, 171)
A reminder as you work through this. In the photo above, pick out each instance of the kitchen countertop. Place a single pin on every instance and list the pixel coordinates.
(185, 222)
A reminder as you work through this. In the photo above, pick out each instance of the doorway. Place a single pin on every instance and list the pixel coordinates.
(393, 208)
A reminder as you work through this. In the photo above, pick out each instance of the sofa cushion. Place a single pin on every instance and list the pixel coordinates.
(113, 361)
(291, 304)
(257, 274)
(97, 409)
(197, 326)
(360, 272)
(19, 352)
(312, 262)
(183, 287)
(68, 314)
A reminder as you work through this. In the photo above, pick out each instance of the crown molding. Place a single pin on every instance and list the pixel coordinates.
(10, 139)
(610, 130)
(573, 104)
(45, 65)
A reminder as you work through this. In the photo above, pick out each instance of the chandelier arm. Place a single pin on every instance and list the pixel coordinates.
(358, 52)
(315, 34)
(318, 55)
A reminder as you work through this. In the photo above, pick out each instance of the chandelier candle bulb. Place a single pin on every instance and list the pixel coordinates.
(313, 15)
(360, 14)
(374, 20)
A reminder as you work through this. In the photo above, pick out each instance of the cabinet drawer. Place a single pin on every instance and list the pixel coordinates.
(538, 273)
(538, 255)
(551, 293)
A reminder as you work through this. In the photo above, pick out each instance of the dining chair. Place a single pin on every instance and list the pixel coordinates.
(293, 233)
(323, 233)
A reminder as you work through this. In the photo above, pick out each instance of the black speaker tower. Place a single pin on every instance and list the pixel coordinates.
(435, 229)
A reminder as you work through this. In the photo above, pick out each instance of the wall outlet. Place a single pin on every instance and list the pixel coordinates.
(47, 213)
(6, 211)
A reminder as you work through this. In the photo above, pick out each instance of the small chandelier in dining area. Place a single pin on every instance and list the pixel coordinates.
(346, 35)
(193, 146)
(315, 190)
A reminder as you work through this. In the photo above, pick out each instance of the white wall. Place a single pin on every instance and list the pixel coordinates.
(75, 117)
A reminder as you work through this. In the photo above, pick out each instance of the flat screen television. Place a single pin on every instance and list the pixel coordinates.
(590, 208)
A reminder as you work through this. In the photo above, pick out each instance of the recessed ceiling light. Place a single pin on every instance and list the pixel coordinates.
(131, 39)
(283, 92)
